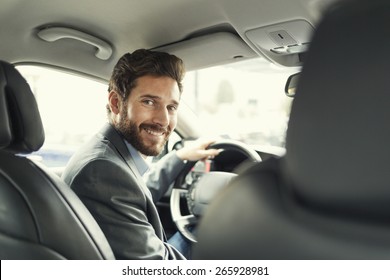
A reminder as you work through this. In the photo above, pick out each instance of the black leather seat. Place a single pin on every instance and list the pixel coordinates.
(329, 196)
(40, 216)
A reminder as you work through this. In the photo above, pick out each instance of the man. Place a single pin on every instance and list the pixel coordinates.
(144, 95)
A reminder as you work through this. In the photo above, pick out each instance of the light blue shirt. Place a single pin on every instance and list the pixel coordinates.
(139, 161)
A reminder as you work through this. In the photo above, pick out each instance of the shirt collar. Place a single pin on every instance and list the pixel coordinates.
(139, 161)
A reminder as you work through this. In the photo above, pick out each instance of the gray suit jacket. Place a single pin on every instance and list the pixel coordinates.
(104, 176)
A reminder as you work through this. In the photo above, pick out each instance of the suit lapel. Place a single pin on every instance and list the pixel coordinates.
(110, 133)
(116, 139)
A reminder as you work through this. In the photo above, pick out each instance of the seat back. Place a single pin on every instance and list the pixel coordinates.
(329, 196)
(40, 216)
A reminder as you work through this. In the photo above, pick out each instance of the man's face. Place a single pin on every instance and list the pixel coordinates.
(150, 114)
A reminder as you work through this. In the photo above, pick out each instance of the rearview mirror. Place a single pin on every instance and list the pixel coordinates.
(291, 85)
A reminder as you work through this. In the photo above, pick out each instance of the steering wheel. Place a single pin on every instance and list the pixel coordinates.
(200, 190)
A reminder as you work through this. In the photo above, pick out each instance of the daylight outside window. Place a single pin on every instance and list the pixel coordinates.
(72, 109)
(243, 101)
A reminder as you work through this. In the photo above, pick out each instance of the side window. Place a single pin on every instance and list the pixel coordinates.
(72, 110)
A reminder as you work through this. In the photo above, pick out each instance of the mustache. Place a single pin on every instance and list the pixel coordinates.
(155, 127)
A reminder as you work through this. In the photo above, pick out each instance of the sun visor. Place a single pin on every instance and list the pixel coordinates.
(210, 50)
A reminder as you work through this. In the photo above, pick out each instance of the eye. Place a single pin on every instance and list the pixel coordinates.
(172, 108)
(148, 102)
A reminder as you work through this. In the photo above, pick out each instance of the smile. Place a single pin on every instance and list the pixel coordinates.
(155, 133)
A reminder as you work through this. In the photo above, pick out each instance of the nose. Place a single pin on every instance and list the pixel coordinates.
(161, 117)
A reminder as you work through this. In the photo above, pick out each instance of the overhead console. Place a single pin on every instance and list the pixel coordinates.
(285, 43)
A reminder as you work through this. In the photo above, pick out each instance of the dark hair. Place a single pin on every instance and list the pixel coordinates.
(132, 66)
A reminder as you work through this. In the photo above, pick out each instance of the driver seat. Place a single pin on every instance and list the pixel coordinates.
(40, 216)
(329, 196)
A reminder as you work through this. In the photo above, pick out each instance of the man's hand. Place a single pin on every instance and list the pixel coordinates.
(197, 150)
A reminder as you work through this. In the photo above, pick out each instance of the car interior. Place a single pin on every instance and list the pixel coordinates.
(316, 202)
(294, 91)
(45, 219)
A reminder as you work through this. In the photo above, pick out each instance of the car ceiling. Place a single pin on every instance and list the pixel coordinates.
(202, 32)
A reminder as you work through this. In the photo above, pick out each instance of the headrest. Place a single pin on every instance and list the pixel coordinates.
(338, 138)
(21, 129)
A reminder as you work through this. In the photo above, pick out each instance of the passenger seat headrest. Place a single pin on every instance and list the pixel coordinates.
(21, 129)
(338, 138)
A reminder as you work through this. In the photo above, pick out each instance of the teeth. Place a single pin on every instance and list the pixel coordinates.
(154, 132)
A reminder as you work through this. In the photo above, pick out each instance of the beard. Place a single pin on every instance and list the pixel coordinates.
(132, 134)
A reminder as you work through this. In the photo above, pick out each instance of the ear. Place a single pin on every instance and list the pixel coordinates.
(114, 101)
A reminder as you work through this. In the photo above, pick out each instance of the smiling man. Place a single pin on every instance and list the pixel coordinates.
(150, 115)
(144, 95)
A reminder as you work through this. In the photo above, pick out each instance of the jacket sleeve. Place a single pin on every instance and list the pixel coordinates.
(124, 210)
(162, 174)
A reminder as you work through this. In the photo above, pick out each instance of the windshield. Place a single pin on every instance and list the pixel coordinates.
(243, 101)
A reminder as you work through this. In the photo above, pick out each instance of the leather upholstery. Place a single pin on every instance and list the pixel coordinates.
(40, 216)
(337, 141)
(329, 196)
(21, 128)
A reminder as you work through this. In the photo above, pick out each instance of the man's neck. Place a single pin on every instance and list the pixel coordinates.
(143, 156)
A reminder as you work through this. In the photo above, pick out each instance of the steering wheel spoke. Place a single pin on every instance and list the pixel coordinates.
(183, 222)
(202, 190)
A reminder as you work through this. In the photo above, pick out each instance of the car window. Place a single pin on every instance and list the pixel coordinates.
(243, 101)
(72, 109)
